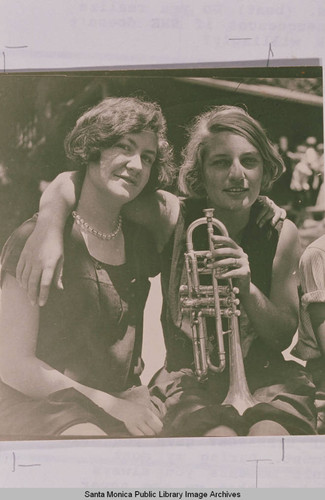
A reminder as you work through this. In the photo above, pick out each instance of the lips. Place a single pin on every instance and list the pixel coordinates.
(128, 179)
(236, 190)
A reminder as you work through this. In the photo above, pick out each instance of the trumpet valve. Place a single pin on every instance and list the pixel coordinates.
(230, 312)
(229, 301)
(183, 290)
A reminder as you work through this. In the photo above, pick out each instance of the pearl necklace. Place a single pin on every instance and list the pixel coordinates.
(103, 236)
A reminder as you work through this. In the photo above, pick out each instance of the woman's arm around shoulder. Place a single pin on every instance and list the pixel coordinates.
(158, 212)
(41, 260)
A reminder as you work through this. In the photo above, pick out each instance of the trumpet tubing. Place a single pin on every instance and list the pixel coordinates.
(218, 301)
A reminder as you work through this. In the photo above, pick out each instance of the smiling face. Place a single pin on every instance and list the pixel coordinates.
(232, 171)
(124, 169)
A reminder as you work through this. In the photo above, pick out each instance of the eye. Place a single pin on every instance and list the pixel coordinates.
(221, 163)
(250, 162)
(148, 159)
(123, 145)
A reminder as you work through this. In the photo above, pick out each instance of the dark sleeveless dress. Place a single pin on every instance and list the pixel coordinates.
(91, 331)
(283, 389)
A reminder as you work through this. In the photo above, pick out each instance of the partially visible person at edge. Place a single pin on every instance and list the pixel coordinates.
(73, 367)
(311, 332)
(164, 214)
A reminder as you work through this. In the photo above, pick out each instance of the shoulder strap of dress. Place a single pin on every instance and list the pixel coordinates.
(261, 244)
(76, 254)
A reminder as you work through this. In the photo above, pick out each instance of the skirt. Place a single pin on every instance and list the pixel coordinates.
(22, 417)
(284, 394)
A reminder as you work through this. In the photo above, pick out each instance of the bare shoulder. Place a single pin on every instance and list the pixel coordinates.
(157, 211)
(289, 233)
(289, 245)
(170, 205)
(285, 266)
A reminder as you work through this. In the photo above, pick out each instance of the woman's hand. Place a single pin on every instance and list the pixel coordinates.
(269, 211)
(41, 261)
(42, 257)
(137, 418)
(230, 261)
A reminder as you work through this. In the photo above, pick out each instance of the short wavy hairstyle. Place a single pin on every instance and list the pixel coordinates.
(104, 124)
(225, 119)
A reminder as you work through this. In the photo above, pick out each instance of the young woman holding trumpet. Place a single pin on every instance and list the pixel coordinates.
(227, 163)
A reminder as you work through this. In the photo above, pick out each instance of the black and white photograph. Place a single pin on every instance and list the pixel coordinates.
(163, 254)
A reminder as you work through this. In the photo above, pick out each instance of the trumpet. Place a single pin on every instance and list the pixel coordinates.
(218, 301)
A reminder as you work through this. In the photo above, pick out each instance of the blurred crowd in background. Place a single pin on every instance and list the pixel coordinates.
(301, 185)
(301, 189)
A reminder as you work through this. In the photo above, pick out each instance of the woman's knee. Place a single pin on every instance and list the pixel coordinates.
(267, 428)
(221, 431)
(85, 429)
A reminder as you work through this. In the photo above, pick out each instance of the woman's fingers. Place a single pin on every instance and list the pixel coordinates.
(33, 285)
(45, 285)
(49, 275)
(228, 263)
(152, 422)
(147, 430)
(135, 431)
(58, 274)
(150, 425)
(269, 212)
(155, 423)
(233, 273)
(37, 282)
(263, 216)
(223, 240)
(277, 217)
(24, 278)
(40, 261)
(218, 253)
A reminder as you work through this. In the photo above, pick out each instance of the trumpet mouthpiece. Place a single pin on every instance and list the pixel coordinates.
(208, 212)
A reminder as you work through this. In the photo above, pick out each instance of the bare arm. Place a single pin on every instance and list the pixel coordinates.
(22, 370)
(158, 212)
(274, 319)
(317, 317)
(42, 257)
